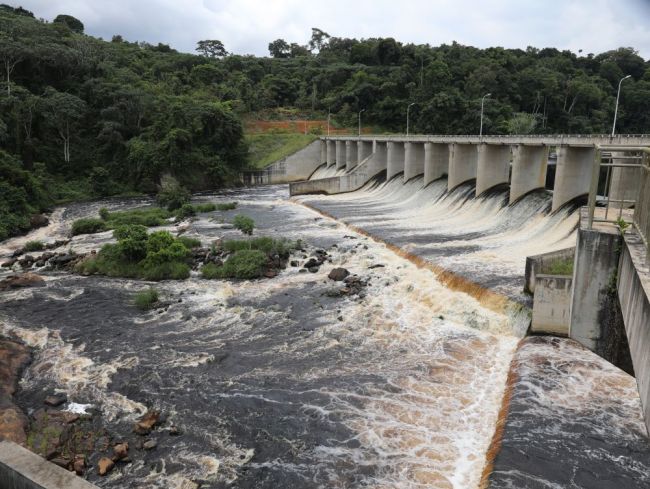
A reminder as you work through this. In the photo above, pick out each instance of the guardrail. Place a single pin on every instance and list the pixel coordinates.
(622, 159)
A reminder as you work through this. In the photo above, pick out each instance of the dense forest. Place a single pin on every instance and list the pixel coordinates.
(83, 117)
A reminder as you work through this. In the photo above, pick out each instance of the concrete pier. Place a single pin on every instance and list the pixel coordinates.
(395, 159)
(340, 154)
(463, 160)
(351, 155)
(624, 181)
(413, 160)
(493, 167)
(573, 173)
(364, 149)
(529, 166)
(331, 153)
(436, 161)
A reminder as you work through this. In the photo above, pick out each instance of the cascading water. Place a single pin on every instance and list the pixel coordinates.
(279, 383)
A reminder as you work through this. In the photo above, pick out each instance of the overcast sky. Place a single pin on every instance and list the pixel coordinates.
(247, 26)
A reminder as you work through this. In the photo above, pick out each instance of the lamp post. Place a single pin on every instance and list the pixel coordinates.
(618, 94)
(408, 108)
(480, 132)
(362, 110)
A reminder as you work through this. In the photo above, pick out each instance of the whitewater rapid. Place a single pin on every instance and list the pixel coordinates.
(275, 383)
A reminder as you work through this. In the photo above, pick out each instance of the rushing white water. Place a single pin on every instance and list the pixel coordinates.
(482, 239)
(275, 383)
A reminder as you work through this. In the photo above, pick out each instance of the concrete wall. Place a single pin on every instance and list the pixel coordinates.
(529, 167)
(341, 154)
(552, 304)
(463, 159)
(413, 160)
(295, 167)
(22, 469)
(323, 151)
(540, 264)
(493, 166)
(625, 182)
(594, 272)
(573, 173)
(633, 296)
(436, 161)
(395, 159)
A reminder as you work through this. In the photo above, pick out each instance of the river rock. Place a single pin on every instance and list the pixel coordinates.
(26, 279)
(313, 269)
(38, 221)
(104, 465)
(338, 274)
(79, 464)
(146, 424)
(150, 444)
(120, 451)
(9, 263)
(55, 400)
(62, 259)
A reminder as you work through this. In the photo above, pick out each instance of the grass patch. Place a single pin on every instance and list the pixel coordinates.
(265, 244)
(33, 246)
(88, 225)
(208, 207)
(560, 267)
(228, 206)
(244, 223)
(264, 149)
(244, 264)
(146, 299)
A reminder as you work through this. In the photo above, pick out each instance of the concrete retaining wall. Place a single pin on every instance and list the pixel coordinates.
(22, 469)
(538, 264)
(634, 298)
(295, 167)
(552, 304)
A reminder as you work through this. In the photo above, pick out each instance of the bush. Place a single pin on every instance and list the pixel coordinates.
(145, 299)
(244, 223)
(186, 210)
(244, 264)
(88, 225)
(228, 206)
(132, 241)
(189, 242)
(266, 244)
(166, 271)
(33, 246)
(104, 214)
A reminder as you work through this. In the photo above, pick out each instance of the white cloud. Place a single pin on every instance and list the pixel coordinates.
(247, 26)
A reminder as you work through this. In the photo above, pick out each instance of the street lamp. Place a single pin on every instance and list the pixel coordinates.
(480, 132)
(407, 116)
(362, 110)
(618, 94)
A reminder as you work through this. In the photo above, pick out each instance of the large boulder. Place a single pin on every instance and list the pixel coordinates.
(338, 274)
(27, 279)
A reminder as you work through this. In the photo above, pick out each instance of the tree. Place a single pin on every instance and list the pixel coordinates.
(74, 24)
(63, 111)
(318, 39)
(211, 48)
(279, 48)
(11, 53)
(521, 123)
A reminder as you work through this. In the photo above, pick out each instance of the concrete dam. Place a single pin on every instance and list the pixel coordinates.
(555, 224)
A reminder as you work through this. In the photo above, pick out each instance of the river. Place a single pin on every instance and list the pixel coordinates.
(279, 383)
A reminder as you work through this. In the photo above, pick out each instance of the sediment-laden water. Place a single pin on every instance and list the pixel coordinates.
(281, 383)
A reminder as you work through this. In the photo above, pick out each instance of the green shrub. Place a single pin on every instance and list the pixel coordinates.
(186, 210)
(145, 299)
(559, 267)
(244, 264)
(132, 241)
(190, 242)
(266, 244)
(244, 223)
(104, 214)
(166, 271)
(228, 206)
(152, 216)
(88, 225)
(33, 246)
